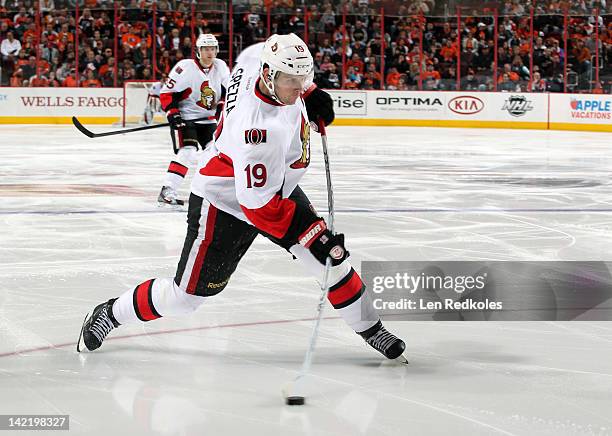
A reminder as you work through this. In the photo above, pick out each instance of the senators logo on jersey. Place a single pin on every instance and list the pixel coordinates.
(304, 160)
(207, 96)
(255, 136)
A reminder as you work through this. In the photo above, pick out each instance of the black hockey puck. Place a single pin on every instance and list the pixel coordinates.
(295, 401)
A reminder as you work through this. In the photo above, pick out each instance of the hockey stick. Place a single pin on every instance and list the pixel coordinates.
(294, 393)
(91, 134)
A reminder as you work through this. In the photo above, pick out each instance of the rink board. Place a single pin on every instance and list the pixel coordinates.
(365, 108)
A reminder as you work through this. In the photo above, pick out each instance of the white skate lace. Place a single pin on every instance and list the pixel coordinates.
(102, 326)
(382, 339)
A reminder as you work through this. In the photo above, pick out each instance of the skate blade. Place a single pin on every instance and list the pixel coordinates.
(401, 359)
(179, 205)
(78, 347)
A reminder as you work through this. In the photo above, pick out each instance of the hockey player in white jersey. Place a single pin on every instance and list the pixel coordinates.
(195, 89)
(247, 185)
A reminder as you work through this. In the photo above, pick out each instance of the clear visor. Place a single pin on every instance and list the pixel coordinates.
(290, 80)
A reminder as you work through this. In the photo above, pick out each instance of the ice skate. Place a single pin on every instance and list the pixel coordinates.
(385, 342)
(169, 196)
(97, 326)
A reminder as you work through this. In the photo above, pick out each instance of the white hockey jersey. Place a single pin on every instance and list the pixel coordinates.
(260, 153)
(194, 90)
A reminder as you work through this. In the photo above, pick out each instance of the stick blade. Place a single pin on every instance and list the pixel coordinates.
(82, 128)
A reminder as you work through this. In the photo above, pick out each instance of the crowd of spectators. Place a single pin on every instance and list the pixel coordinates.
(424, 48)
(52, 59)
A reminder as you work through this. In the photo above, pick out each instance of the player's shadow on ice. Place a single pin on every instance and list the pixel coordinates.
(350, 357)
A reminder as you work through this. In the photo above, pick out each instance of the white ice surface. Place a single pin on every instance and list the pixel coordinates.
(79, 224)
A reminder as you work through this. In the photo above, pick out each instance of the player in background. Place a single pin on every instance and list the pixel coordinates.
(153, 105)
(195, 89)
(247, 185)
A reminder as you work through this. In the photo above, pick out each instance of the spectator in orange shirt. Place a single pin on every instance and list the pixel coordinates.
(372, 76)
(356, 63)
(30, 33)
(130, 38)
(50, 33)
(91, 81)
(39, 81)
(597, 89)
(582, 60)
(582, 55)
(21, 59)
(393, 78)
(449, 51)
(70, 81)
(16, 79)
(511, 75)
(164, 64)
(21, 16)
(431, 73)
(109, 65)
(65, 32)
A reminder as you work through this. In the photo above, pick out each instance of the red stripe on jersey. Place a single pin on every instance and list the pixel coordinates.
(180, 138)
(219, 166)
(274, 218)
(177, 168)
(211, 118)
(170, 100)
(219, 127)
(208, 236)
(346, 290)
(309, 90)
(264, 97)
(219, 110)
(144, 303)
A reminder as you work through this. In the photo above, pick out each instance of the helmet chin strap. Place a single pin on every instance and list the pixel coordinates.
(270, 86)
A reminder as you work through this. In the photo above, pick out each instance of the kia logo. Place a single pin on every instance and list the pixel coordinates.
(465, 105)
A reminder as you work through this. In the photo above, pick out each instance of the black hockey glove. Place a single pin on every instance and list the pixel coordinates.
(319, 104)
(323, 244)
(175, 120)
